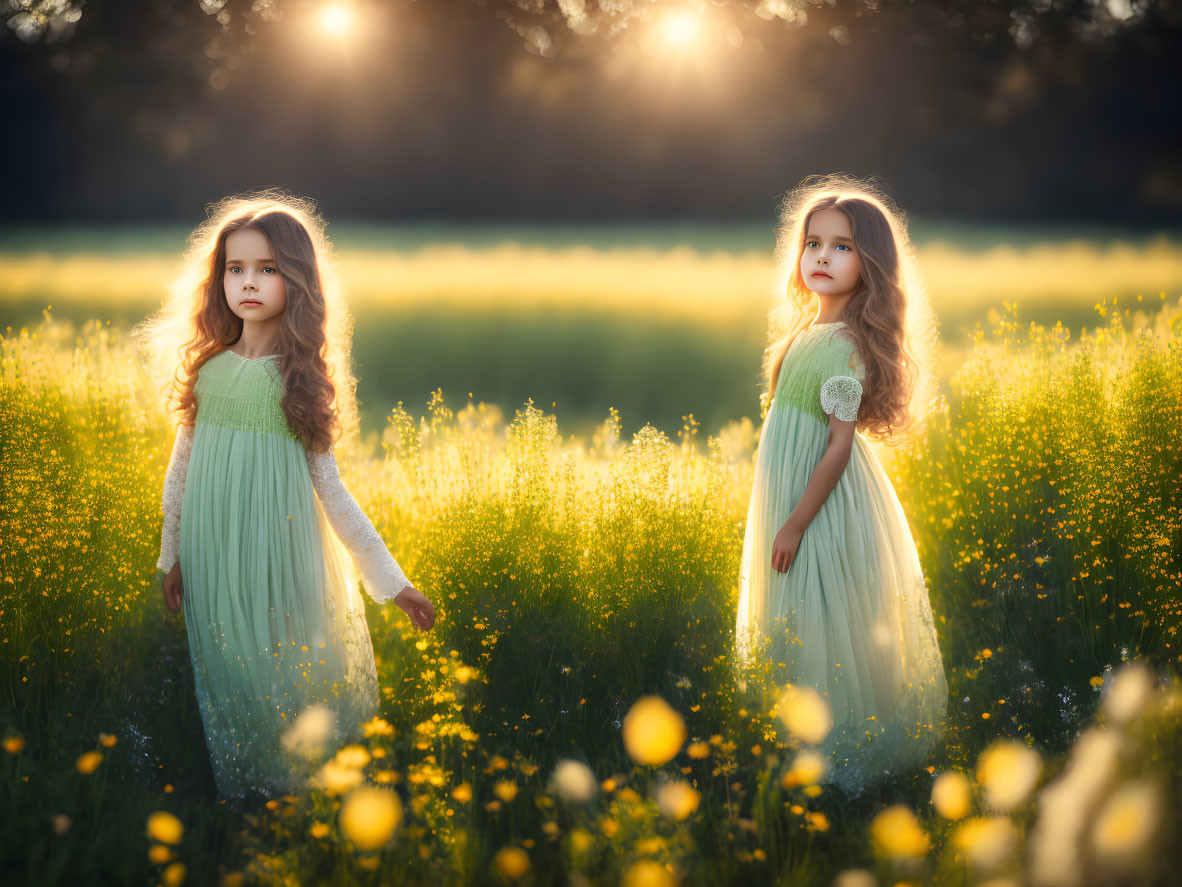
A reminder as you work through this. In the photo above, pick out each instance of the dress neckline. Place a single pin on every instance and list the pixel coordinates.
(260, 357)
(830, 323)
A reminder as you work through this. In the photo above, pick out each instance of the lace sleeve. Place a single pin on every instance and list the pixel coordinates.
(840, 396)
(383, 578)
(174, 495)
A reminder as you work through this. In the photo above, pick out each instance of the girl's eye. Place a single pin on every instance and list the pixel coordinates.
(810, 243)
(268, 269)
(842, 246)
(232, 268)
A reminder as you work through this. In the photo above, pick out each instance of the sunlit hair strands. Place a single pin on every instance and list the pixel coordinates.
(315, 335)
(888, 316)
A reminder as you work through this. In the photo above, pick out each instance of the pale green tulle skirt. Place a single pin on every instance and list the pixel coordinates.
(274, 620)
(851, 616)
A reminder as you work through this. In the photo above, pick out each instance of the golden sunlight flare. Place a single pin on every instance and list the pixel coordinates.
(676, 799)
(573, 781)
(806, 713)
(1008, 771)
(164, 828)
(336, 19)
(952, 795)
(896, 834)
(680, 29)
(653, 732)
(369, 817)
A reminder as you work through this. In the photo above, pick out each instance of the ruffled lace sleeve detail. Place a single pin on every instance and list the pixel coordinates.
(840, 396)
(174, 495)
(383, 578)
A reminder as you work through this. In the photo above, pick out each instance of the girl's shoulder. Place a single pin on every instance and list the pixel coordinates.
(844, 349)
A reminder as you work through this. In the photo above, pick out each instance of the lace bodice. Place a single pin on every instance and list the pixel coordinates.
(383, 578)
(822, 374)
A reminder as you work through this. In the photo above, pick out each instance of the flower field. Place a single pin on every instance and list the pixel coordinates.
(577, 715)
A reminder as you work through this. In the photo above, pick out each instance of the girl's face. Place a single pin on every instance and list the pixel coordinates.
(829, 262)
(254, 287)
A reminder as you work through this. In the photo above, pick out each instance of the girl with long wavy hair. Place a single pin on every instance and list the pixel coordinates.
(831, 587)
(260, 537)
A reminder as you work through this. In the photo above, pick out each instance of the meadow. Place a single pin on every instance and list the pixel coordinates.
(655, 321)
(579, 575)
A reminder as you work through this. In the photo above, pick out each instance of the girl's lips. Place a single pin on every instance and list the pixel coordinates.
(821, 274)
(251, 302)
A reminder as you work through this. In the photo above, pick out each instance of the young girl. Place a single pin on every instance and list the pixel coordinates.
(831, 585)
(252, 496)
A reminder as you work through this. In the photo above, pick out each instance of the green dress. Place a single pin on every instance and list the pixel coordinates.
(274, 621)
(850, 617)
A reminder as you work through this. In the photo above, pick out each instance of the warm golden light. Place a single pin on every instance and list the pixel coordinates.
(680, 30)
(336, 19)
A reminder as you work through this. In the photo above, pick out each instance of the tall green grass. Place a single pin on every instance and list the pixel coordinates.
(571, 577)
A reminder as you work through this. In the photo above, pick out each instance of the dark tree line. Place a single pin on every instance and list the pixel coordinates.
(560, 108)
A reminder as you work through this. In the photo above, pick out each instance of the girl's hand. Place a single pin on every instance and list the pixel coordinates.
(784, 547)
(173, 589)
(416, 606)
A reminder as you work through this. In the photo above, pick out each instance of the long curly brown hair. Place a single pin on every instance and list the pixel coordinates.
(315, 332)
(888, 317)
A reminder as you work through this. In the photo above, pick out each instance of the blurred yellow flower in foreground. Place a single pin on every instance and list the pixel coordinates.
(511, 863)
(310, 731)
(61, 823)
(462, 793)
(319, 830)
(698, 750)
(580, 840)
(676, 799)
(173, 875)
(369, 816)
(106, 739)
(1127, 824)
(89, 761)
(806, 713)
(1131, 690)
(653, 731)
(506, 790)
(1066, 804)
(573, 781)
(335, 779)
(159, 854)
(807, 769)
(952, 795)
(854, 878)
(377, 726)
(165, 828)
(986, 842)
(648, 873)
(353, 756)
(1008, 771)
(14, 745)
(896, 833)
